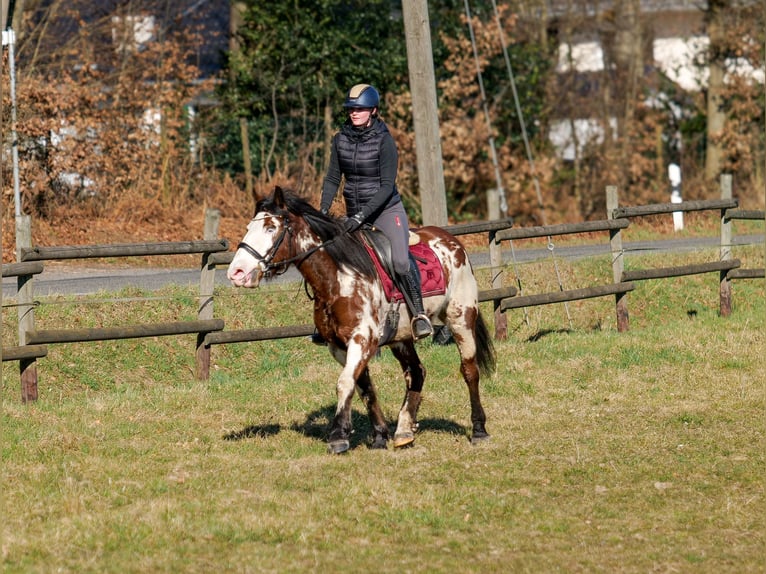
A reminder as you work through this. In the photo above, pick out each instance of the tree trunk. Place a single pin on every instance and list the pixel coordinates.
(628, 55)
(716, 116)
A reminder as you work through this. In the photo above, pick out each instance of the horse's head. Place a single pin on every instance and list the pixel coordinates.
(287, 230)
(260, 251)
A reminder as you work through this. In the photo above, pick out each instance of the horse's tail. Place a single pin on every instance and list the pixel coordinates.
(485, 348)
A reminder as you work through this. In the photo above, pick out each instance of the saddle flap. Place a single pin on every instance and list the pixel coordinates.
(431, 272)
(379, 244)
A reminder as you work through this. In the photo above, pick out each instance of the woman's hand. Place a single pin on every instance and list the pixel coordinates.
(353, 223)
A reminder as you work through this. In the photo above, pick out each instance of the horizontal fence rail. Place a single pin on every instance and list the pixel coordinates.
(459, 229)
(267, 333)
(21, 269)
(561, 229)
(123, 250)
(746, 274)
(479, 227)
(660, 208)
(562, 296)
(130, 332)
(495, 294)
(262, 334)
(751, 214)
(664, 272)
(221, 258)
(20, 352)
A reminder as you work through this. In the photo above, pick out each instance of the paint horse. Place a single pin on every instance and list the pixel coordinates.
(355, 317)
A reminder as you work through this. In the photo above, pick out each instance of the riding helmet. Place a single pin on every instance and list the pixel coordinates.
(362, 96)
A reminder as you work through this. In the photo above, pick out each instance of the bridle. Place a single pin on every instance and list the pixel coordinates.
(271, 268)
(266, 260)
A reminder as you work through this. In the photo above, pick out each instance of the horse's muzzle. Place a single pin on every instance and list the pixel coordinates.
(240, 278)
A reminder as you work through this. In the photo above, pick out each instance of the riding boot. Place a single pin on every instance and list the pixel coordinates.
(421, 326)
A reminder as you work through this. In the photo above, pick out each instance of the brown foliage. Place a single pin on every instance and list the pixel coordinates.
(105, 142)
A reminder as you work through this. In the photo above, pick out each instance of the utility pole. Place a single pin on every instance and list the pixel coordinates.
(420, 61)
(236, 19)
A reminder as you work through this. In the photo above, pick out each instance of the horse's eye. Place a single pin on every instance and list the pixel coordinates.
(271, 229)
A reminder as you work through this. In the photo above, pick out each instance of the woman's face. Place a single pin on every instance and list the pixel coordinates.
(360, 117)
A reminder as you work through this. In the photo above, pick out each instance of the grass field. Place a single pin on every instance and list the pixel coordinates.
(611, 452)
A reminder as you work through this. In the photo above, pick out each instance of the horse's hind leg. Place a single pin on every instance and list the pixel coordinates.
(469, 368)
(369, 397)
(478, 418)
(414, 376)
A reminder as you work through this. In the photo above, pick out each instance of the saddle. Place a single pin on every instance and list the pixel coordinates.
(431, 273)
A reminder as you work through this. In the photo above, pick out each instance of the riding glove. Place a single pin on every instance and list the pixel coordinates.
(353, 223)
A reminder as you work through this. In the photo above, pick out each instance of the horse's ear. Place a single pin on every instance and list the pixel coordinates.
(279, 197)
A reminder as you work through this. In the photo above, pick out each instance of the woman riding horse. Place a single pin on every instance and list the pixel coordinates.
(355, 314)
(364, 153)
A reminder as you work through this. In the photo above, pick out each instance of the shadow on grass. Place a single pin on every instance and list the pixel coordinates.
(317, 426)
(441, 426)
(544, 332)
(253, 431)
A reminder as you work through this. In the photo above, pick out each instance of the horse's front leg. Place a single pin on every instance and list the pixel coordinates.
(356, 360)
(414, 377)
(369, 397)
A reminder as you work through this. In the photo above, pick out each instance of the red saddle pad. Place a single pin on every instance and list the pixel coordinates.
(431, 273)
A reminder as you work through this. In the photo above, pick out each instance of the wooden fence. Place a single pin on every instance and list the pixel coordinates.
(215, 252)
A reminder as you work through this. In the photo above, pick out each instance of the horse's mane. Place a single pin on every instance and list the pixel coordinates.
(346, 249)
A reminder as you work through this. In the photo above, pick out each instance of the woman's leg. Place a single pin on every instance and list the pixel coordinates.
(393, 222)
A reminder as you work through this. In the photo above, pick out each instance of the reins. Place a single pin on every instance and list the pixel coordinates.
(301, 257)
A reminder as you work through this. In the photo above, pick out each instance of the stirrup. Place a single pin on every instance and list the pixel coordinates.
(421, 327)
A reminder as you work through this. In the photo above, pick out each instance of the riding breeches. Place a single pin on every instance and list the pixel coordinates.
(393, 223)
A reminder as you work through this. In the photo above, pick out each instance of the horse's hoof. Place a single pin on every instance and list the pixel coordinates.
(403, 439)
(379, 444)
(338, 446)
(479, 438)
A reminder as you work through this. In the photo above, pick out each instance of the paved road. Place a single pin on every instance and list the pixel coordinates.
(77, 278)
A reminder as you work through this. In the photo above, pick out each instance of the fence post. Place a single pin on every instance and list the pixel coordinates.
(496, 262)
(206, 288)
(618, 260)
(724, 298)
(25, 300)
(496, 265)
